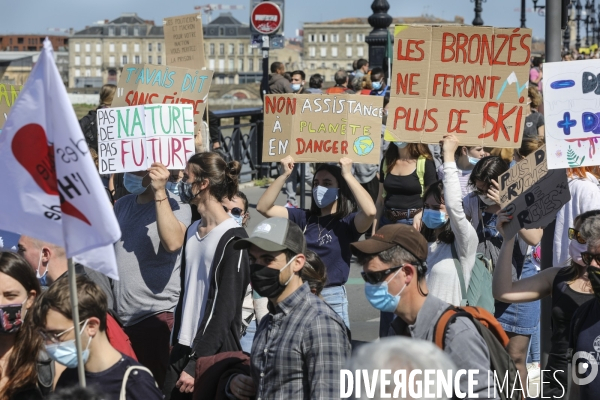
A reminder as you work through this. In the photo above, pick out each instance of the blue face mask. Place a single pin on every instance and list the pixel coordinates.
(173, 187)
(324, 196)
(65, 353)
(433, 219)
(376, 85)
(185, 192)
(380, 298)
(512, 164)
(296, 87)
(133, 183)
(401, 145)
(238, 218)
(473, 160)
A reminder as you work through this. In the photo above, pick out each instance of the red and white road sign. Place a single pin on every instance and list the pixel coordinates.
(266, 18)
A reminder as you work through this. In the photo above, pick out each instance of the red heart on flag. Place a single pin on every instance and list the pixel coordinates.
(31, 150)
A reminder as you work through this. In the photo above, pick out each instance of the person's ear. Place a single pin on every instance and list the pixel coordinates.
(46, 254)
(410, 272)
(298, 263)
(30, 299)
(203, 184)
(464, 151)
(93, 326)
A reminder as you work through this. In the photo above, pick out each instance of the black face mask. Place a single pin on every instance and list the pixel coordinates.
(265, 280)
(594, 277)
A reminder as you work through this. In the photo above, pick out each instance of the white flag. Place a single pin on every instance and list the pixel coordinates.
(51, 189)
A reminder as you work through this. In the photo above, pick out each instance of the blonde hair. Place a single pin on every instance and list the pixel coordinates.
(505, 154)
(534, 94)
(107, 93)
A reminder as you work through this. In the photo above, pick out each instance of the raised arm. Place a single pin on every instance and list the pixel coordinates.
(379, 208)
(266, 204)
(366, 207)
(171, 231)
(521, 291)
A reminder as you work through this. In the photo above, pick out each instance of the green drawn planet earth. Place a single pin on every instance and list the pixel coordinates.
(363, 145)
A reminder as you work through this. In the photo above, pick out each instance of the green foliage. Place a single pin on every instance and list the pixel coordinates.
(573, 159)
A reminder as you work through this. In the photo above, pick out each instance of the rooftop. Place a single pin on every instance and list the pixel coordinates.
(423, 19)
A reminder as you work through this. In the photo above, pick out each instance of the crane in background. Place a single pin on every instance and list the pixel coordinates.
(209, 8)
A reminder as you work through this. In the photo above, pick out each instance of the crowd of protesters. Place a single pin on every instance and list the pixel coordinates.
(205, 310)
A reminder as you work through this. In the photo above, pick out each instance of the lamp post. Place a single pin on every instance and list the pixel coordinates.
(567, 31)
(593, 21)
(380, 20)
(523, 16)
(578, 9)
(477, 21)
(587, 22)
(539, 9)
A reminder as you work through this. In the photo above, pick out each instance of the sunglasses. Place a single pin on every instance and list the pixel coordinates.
(236, 211)
(588, 257)
(575, 235)
(379, 276)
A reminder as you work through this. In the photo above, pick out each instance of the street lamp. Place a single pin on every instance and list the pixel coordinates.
(523, 17)
(578, 9)
(539, 9)
(593, 21)
(377, 40)
(587, 22)
(478, 9)
(567, 31)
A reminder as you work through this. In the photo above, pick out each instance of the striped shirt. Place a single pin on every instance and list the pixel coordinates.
(299, 350)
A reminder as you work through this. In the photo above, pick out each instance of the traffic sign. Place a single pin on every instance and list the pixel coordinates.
(266, 18)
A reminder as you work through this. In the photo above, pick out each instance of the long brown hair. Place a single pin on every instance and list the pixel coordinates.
(22, 362)
(415, 150)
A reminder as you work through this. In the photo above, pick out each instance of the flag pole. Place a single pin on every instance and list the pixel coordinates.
(75, 307)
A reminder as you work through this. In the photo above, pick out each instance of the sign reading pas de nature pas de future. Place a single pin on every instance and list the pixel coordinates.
(468, 81)
(322, 128)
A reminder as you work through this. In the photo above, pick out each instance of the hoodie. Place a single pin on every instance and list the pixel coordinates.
(278, 84)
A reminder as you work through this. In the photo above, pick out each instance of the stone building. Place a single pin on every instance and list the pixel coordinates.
(32, 42)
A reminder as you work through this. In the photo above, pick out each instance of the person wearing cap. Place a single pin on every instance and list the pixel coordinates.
(302, 344)
(394, 268)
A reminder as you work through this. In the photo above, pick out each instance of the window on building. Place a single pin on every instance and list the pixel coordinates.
(211, 49)
(323, 65)
(123, 47)
(111, 47)
(312, 66)
(149, 46)
(20, 41)
(323, 51)
(250, 50)
(88, 72)
(241, 49)
(211, 64)
(137, 59)
(250, 65)
(221, 65)
(348, 51)
(98, 48)
(348, 38)
(360, 37)
(360, 52)
(312, 38)
(240, 65)
(159, 47)
(136, 31)
(323, 38)
(77, 46)
(77, 73)
(335, 38)
(221, 31)
(77, 60)
(124, 60)
(231, 49)
(136, 47)
(334, 52)
(98, 72)
(312, 51)
(159, 60)
(221, 49)
(88, 60)
(230, 65)
(335, 65)
(149, 59)
(88, 47)
(98, 60)
(111, 31)
(111, 61)
(123, 31)
(348, 66)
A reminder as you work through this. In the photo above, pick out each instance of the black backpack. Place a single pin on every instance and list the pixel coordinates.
(90, 129)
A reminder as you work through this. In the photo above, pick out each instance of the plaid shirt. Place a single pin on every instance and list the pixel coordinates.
(299, 349)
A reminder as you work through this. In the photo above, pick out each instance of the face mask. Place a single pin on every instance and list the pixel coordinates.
(473, 160)
(133, 183)
(296, 87)
(575, 250)
(44, 278)
(324, 196)
(173, 187)
(486, 200)
(10, 318)
(594, 277)
(512, 164)
(380, 298)
(401, 145)
(185, 192)
(239, 218)
(376, 85)
(65, 353)
(265, 280)
(433, 219)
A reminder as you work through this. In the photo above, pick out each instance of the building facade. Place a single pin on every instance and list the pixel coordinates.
(334, 45)
(32, 42)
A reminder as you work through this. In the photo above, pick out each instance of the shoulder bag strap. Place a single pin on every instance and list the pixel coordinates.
(123, 394)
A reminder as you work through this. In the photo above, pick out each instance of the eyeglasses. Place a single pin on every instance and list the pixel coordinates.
(588, 257)
(378, 276)
(236, 211)
(574, 234)
(54, 337)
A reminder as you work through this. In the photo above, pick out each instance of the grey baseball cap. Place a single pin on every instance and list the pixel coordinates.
(275, 234)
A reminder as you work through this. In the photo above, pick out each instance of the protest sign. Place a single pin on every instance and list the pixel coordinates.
(158, 84)
(462, 80)
(132, 138)
(322, 128)
(8, 96)
(571, 98)
(184, 41)
(532, 193)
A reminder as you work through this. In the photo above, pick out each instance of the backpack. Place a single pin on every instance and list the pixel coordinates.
(479, 292)
(420, 173)
(495, 339)
(90, 129)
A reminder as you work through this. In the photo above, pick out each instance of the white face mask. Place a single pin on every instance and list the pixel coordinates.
(486, 200)
(575, 250)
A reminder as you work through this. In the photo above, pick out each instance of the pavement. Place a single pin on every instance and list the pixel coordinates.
(364, 319)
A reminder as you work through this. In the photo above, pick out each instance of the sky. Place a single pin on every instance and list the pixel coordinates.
(37, 16)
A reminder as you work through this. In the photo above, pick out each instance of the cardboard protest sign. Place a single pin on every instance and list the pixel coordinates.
(533, 193)
(158, 84)
(132, 138)
(572, 120)
(462, 80)
(322, 128)
(8, 96)
(184, 41)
